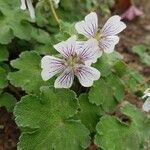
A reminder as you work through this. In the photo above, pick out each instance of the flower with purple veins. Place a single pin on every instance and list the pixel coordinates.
(107, 36)
(74, 62)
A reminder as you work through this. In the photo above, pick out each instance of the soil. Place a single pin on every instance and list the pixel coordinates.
(9, 133)
(137, 32)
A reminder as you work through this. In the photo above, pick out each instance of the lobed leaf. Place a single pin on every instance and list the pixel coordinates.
(89, 113)
(117, 86)
(139, 120)
(102, 94)
(48, 119)
(21, 26)
(113, 134)
(28, 76)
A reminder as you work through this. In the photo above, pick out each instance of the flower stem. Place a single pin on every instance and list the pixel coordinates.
(54, 12)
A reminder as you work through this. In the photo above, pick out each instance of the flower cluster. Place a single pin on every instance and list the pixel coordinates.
(76, 57)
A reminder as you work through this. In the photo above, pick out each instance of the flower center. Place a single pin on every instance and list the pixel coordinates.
(72, 61)
(97, 35)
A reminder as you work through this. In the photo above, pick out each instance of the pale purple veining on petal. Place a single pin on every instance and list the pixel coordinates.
(51, 61)
(66, 48)
(74, 62)
(51, 66)
(65, 80)
(113, 26)
(107, 44)
(88, 51)
(87, 75)
(107, 38)
(79, 44)
(89, 26)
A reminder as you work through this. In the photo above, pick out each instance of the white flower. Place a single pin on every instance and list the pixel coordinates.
(56, 3)
(106, 37)
(146, 93)
(146, 105)
(28, 4)
(72, 63)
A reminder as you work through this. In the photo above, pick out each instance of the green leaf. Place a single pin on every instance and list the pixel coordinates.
(46, 49)
(68, 28)
(28, 76)
(102, 94)
(133, 79)
(49, 123)
(112, 134)
(12, 26)
(21, 26)
(3, 53)
(89, 113)
(3, 77)
(120, 68)
(68, 5)
(40, 36)
(106, 62)
(42, 18)
(8, 101)
(117, 86)
(143, 53)
(6, 34)
(139, 120)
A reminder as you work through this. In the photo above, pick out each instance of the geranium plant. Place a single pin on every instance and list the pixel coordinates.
(64, 81)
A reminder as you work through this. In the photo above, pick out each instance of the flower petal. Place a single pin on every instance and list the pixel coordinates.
(94, 60)
(146, 95)
(66, 48)
(107, 44)
(87, 75)
(56, 3)
(89, 50)
(131, 13)
(51, 66)
(31, 9)
(65, 80)
(79, 44)
(23, 5)
(113, 26)
(146, 105)
(89, 26)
